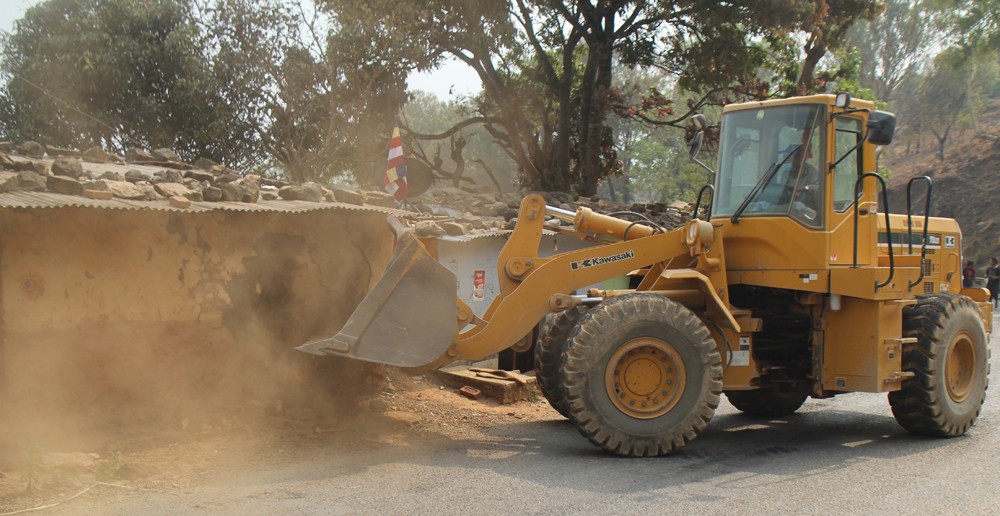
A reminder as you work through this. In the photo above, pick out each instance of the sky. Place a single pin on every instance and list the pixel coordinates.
(11, 10)
(452, 79)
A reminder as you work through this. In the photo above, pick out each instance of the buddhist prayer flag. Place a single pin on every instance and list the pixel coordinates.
(395, 170)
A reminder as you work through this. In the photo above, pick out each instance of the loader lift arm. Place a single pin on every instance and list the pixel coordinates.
(398, 323)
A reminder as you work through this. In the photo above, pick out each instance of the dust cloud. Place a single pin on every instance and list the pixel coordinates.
(129, 329)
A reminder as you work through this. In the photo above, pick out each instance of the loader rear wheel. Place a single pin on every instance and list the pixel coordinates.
(767, 403)
(548, 353)
(642, 375)
(951, 362)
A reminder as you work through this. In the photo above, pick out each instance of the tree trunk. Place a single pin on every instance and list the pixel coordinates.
(564, 126)
(593, 108)
(942, 139)
(814, 52)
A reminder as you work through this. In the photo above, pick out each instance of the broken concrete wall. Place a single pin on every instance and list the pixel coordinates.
(146, 313)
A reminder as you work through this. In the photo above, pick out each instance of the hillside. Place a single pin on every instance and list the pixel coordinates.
(966, 183)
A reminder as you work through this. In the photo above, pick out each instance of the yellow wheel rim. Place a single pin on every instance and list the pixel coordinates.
(961, 367)
(645, 378)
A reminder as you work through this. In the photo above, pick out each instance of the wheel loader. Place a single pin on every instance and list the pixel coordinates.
(795, 282)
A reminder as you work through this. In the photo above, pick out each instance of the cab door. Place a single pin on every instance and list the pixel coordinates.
(847, 162)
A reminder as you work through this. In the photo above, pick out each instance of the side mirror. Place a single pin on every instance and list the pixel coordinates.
(881, 126)
(843, 100)
(694, 146)
(699, 121)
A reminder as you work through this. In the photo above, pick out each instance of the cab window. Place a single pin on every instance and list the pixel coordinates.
(847, 157)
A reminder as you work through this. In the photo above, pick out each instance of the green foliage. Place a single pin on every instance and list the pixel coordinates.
(895, 46)
(311, 90)
(120, 73)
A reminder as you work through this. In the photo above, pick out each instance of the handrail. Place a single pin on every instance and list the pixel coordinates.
(909, 224)
(888, 230)
(697, 203)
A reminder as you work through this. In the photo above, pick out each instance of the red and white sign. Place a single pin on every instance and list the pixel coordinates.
(479, 286)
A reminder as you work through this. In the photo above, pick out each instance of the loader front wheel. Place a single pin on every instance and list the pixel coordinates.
(760, 403)
(642, 375)
(548, 353)
(950, 361)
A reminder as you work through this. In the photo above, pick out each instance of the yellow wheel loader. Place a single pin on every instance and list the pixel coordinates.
(796, 283)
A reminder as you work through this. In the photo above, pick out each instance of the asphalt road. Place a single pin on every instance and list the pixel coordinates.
(845, 455)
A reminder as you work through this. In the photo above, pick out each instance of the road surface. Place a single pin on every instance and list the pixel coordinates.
(843, 455)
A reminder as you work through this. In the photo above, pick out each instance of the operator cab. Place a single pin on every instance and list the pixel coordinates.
(788, 172)
(778, 158)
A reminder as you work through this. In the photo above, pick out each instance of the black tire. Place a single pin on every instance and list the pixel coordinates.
(760, 403)
(642, 375)
(951, 362)
(548, 354)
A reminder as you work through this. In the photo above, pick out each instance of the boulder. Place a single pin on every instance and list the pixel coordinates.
(112, 176)
(427, 228)
(177, 190)
(471, 220)
(383, 199)
(63, 185)
(311, 192)
(212, 194)
(180, 202)
(349, 196)
(119, 189)
(200, 175)
(269, 195)
(148, 189)
(165, 154)
(31, 149)
(134, 176)
(57, 152)
(205, 164)
(166, 176)
(98, 194)
(680, 205)
(96, 154)
(268, 182)
(6, 147)
(250, 189)
(231, 192)
(8, 182)
(138, 156)
(69, 167)
(454, 228)
(6, 163)
(30, 181)
(227, 177)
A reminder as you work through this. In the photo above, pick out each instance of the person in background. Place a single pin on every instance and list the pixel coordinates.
(993, 280)
(968, 274)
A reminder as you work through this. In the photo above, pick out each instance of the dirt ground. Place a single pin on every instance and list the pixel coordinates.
(398, 411)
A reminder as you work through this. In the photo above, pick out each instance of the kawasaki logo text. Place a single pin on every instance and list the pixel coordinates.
(590, 262)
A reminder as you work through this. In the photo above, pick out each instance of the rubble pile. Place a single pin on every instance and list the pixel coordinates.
(459, 211)
(152, 175)
(160, 174)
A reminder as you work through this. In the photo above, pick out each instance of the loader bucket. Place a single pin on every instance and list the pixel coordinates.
(408, 319)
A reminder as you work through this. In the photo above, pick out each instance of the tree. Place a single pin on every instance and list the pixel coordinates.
(117, 73)
(547, 66)
(822, 26)
(943, 95)
(894, 46)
